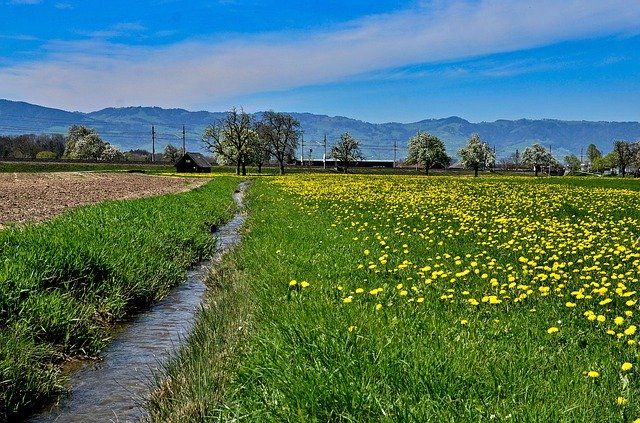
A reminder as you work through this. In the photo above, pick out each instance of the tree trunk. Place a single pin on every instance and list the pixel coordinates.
(281, 169)
(475, 174)
(238, 168)
(536, 169)
(259, 167)
(426, 170)
(244, 169)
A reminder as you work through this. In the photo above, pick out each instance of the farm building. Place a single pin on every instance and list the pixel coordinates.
(193, 163)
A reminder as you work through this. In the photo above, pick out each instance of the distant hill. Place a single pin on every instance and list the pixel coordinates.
(130, 128)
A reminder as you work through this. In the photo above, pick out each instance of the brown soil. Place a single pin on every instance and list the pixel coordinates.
(28, 197)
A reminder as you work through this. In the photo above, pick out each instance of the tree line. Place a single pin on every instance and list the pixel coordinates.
(427, 150)
(80, 143)
(240, 140)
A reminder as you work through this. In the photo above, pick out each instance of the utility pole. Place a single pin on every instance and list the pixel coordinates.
(153, 144)
(395, 152)
(302, 150)
(494, 157)
(324, 156)
(184, 141)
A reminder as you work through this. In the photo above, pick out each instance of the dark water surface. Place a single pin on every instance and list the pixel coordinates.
(115, 389)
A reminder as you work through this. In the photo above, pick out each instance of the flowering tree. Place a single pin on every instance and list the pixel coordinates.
(83, 143)
(232, 139)
(476, 154)
(111, 153)
(427, 150)
(537, 156)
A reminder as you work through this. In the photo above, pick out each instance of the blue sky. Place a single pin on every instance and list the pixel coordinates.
(379, 61)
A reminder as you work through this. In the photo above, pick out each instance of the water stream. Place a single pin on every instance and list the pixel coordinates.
(115, 388)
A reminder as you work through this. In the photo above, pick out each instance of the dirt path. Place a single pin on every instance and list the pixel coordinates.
(28, 197)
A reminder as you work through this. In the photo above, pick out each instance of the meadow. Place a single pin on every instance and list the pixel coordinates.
(407, 298)
(64, 283)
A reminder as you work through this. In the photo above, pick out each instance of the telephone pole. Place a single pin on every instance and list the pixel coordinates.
(184, 141)
(395, 152)
(153, 144)
(324, 157)
(302, 150)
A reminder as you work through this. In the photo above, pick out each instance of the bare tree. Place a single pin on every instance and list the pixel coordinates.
(232, 139)
(170, 153)
(279, 133)
(347, 151)
(624, 155)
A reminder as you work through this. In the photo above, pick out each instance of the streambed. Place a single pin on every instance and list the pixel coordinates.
(117, 387)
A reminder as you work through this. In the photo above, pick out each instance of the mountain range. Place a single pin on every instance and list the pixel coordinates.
(130, 128)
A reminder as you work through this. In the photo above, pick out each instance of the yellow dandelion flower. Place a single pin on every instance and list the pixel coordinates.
(293, 282)
(378, 306)
(618, 320)
(552, 329)
(626, 366)
(464, 322)
(631, 330)
(352, 328)
(347, 300)
(359, 290)
(621, 401)
(304, 284)
(601, 318)
(570, 304)
(593, 374)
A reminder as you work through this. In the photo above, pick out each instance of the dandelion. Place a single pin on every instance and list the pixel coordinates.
(552, 329)
(304, 284)
(464, 322)
(621, 401)
(618, 320)
(631, 330)
(293, 283)
(347, 300)
(593, 374)
(359, 290)
(378, 306)
(352, 328)
(626, 366)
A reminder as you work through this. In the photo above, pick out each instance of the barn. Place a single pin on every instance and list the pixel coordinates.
(193, 163)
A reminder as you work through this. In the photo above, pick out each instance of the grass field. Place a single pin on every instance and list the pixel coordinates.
(64, 282)
(403, 298)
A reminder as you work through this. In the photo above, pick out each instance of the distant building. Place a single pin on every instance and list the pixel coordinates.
(193, 163)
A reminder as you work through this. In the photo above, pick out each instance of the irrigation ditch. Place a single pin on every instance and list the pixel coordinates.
(117, 387)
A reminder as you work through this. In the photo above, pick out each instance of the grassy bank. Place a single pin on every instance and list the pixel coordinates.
(64, 282)
(363, 298)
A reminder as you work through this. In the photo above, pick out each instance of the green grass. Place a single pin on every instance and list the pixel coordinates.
(44, 166)
(63, 283)
(294, 353)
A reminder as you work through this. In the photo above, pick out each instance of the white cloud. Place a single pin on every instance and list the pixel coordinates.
(94, 74)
